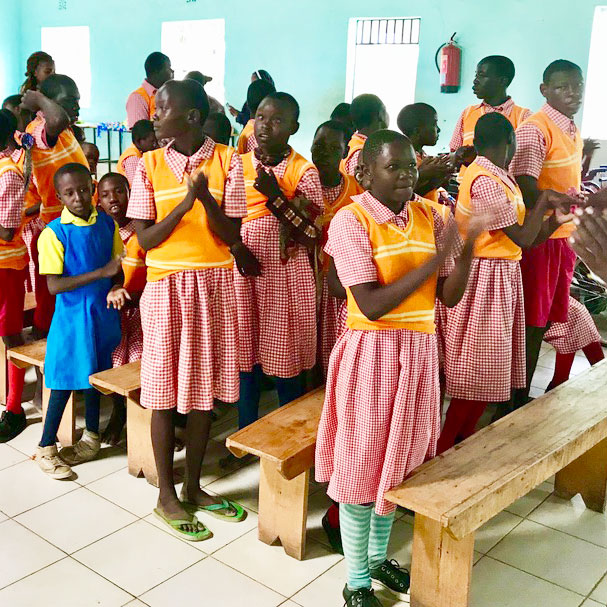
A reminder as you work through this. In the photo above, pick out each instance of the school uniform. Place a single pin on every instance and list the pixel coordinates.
(355, 146)
(128, 161)
(84, 331)
(141, 104)
(549, 148)
(277, 310)
(578, 332)
(188, 306)
(381, 416)
(246, 141)
(133, 267)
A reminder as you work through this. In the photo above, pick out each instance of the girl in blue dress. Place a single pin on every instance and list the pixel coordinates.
(80, 253)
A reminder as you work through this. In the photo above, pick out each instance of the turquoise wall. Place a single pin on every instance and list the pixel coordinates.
(303, 45)
(11, 69)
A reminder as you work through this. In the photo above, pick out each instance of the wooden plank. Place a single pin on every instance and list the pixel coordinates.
(29, 302)
(123, 380)
(475, 480)
(29, 354)
(139, 440)
(267, 437)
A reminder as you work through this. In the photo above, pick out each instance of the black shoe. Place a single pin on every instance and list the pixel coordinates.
(365, 597)
(11, 425)
(333, 534)
(392, 576)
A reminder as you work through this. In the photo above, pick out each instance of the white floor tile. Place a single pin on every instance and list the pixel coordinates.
(22, 553)
(317, 507)
(27, 441)
(138, 557)
(553, 556)
(542, 377)
(600, 592)
(110, 459)
(270, 565)
(591, 603)
(136, 603)
(222, 586)
(3, 517)
(68, 581)
(241, 486)
(324, 590)
(529, 502)
(289, 604)
(29, 487)
(494, 530)
(401, 543)
(495, 584)
(75, 520)
(10, 456)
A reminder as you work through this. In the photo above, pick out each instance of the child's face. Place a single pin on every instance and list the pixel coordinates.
(18, 114)
(69, 99)
(274, 124)
(328, 149)
(75, 190)
(114, 198)
(147, 143)
(486, 82)
(43, 71)
(91, 153)
(170, 119)
(564, 92)
(430, 131)
(392, 176)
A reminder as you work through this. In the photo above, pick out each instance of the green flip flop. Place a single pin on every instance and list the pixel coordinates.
(215, 510)
(175, 525)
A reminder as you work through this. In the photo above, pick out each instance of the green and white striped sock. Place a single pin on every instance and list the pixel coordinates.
(379, 537)
(355, 525)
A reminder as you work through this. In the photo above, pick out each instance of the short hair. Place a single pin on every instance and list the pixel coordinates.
(142, 128)
(69, 169)
(364, 109)
(338, 127)
(8, 126)
(115, 176)
(286, 99)
(154, 63)
(376, 141)
(53, 85)
(222, 126)
(560, 65)
(491, 130)
(257, 91)
(341, 110)
(90, 143)
(413, 116)
(14, 100)
(501, 65)
(191, 94)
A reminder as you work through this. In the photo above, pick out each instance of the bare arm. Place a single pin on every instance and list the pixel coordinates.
(451, 289)
(55, 116)
(61, 284)
(7, 234)
(529, 188)
(336, 289)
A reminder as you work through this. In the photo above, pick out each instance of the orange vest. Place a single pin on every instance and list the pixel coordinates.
(132, 150)
(247, 131)
(13, 254)
(256, 202)
(494, 244)
(133, 265)
(32, 198)
(149, 99)
(397, 251)
(192, 245)
(45, 164)
(562, 168)
(357, 143)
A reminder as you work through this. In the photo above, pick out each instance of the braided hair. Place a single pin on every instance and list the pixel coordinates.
(33, 61)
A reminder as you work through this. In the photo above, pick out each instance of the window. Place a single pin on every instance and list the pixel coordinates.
(70, 48)
(593, 123)
(197, 45)
(382, 59)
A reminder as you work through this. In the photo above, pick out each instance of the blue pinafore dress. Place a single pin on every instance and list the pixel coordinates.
(83, 332)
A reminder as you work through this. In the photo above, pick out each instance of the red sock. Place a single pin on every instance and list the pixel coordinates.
(16, 379)
(461, 420)
(594, 352)
(333, 516)
(562, 369)
(475, 409)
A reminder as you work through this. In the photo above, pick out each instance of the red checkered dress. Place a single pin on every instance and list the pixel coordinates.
(277, 310)
(190, 328)
(578, 332)
(129, 165)
(485, 336)
(381, 416)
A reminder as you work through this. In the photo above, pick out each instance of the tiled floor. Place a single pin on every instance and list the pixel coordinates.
(92, 541)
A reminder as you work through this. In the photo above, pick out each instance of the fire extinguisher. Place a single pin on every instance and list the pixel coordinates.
(450, 66)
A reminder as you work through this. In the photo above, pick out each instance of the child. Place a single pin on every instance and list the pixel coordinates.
(329, 147)
(342, 113)
(381, 414)
(549, 156)
(91, 153)
(369, 114)
(277, 311)
(114, 200)
(190, 356)
(13, 264)
(485, 335)
(258, 89)
(218, 128)
(80, 255)
(144, 140)
(40, 66)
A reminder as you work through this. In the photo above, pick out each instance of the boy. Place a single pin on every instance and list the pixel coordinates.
(341, 113)
(368, 115)
(549, 156)
(144, 140)
(190, 234)
(218, 128)
(258, 89)
(91, 153)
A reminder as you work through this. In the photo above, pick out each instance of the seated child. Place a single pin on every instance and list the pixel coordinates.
(144, 140)
(79, 254)
(218, 128)
(258, 89)
(341, 113)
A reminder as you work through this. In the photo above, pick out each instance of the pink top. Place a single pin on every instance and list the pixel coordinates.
(12, 192)
(136, 106)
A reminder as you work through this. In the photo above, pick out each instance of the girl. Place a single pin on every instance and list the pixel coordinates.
(381, 414)
(40, 66)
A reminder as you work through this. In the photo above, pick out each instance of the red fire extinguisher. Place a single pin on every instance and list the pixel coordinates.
(450, 66)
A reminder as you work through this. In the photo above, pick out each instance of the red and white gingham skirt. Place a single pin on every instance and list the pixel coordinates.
(190, 341)
(485, 337)
(381, 416)
(31, 231)
(277, 310)
(440, 318)
(332, 322)
(131, 345)
(575, 334)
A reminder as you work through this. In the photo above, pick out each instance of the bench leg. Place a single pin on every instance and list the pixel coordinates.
(283, 509)
(441, 567)
(66, 434)
(139, 441)
(586, 475)
(3, 374)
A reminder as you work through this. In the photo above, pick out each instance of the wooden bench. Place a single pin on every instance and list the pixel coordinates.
(33, 355)
(125, 381)
(285, 441)
(562, 432)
